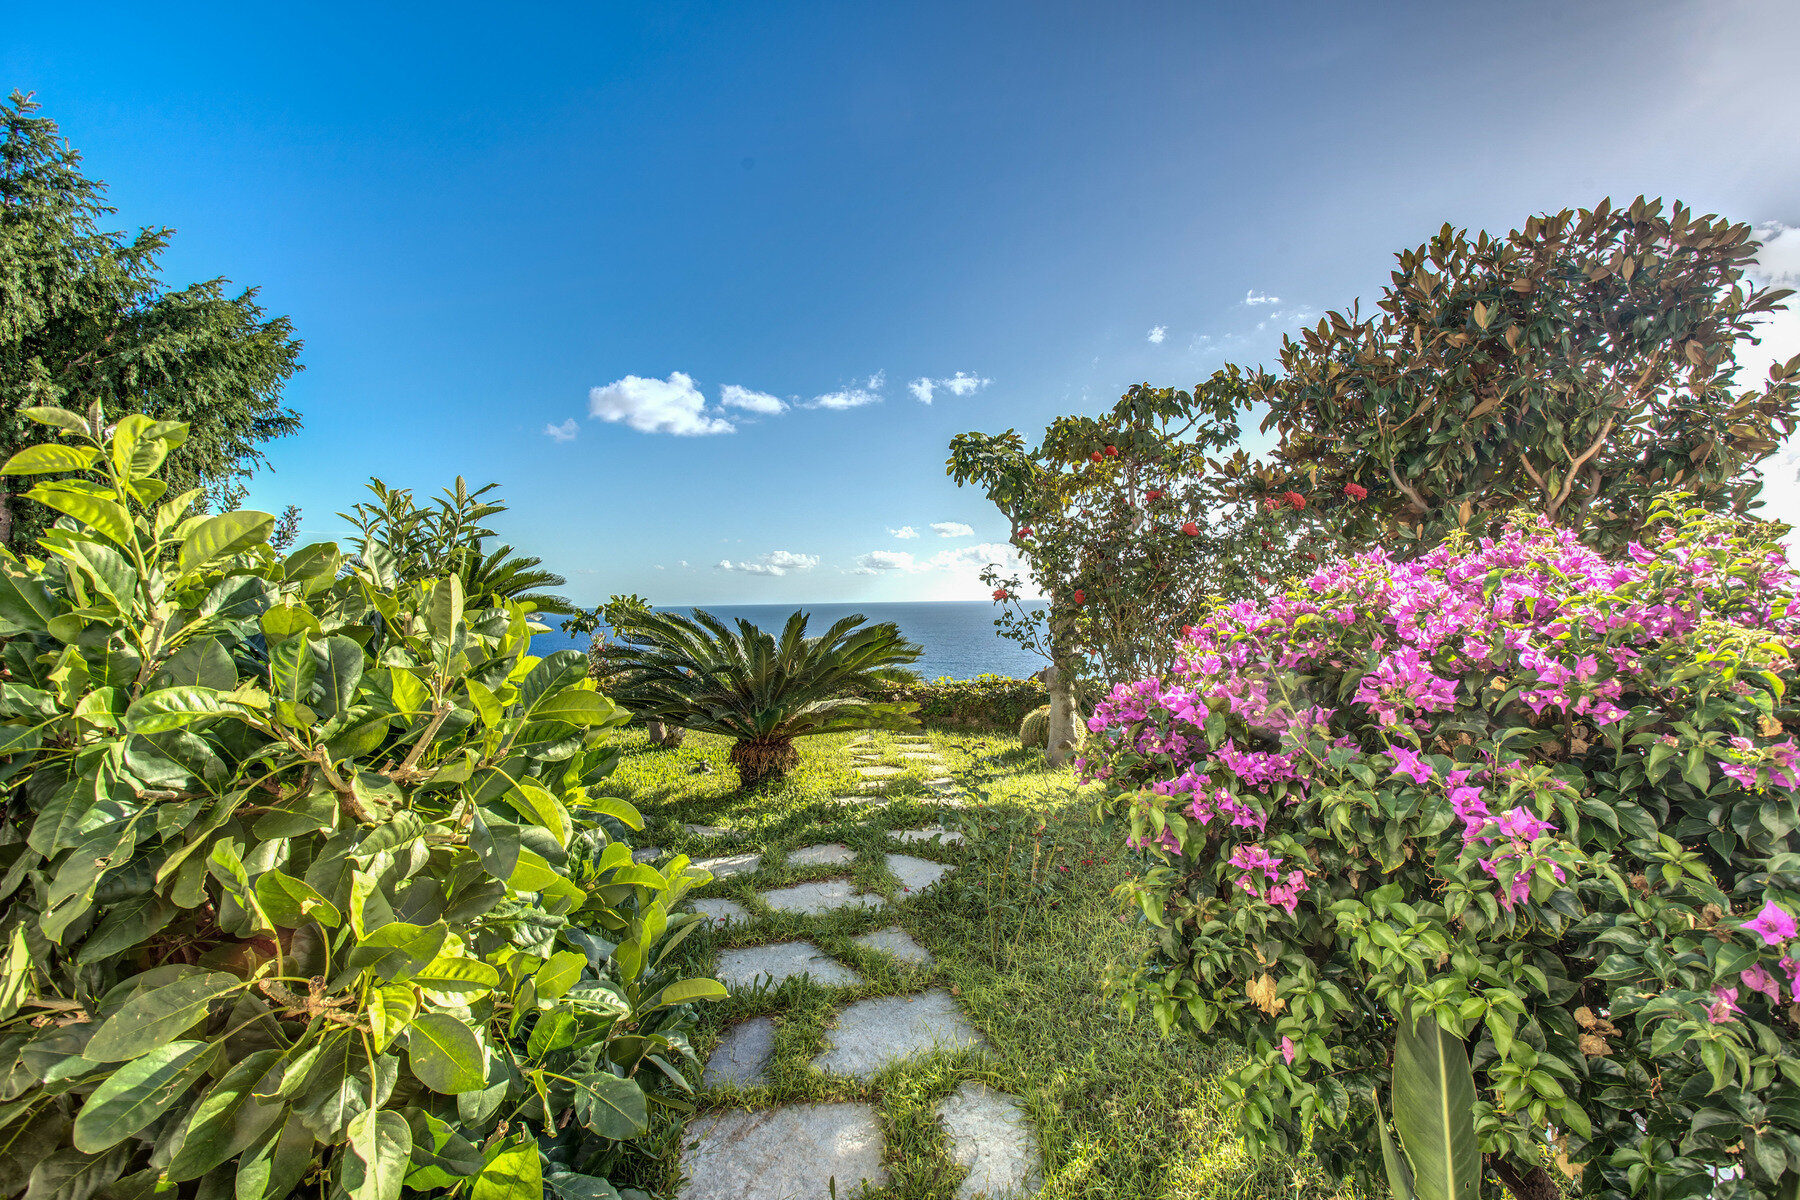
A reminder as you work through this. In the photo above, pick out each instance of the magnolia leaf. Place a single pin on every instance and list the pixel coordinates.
(577, 706)
(291, 902)
(446, 608)
(391, 1009)
(50, 458)
(515, 1173)
(57, 418)
(610, 1106)
(559, 973)
(455, 975)
(227, 1120)
(381, 1151)
(272, 1168)
(227, 533)
(157, 1016)
(105, 517)
(175, 707)
(620, 810)
(688, 991)
(446, 1055)
(542, 809)
(138, 1092)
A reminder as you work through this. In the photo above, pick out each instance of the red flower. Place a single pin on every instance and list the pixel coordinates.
(1025, 532)
(1271, 504)
(1000, 593)
(1095, 456)
(1191, 529)
(1152, 496)
(1113, 450)
(1356, 491)
(1080, 596)
(1295, 499)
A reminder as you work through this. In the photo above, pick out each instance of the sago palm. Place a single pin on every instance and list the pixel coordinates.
(762, 691)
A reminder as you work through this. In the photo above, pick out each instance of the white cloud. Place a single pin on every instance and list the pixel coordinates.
(1778, 262)
(733, 396)
(965, 558)
(682, 563)
(1254, 297)
(960, 384)
(853, 397)
(904, 532)
(951, 529)
(563, 433)
(1158, 333)
(884, 560)
(775, 562)
(660, 567)
(672, 405)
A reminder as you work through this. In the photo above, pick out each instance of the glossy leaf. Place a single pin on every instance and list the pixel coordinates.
(445, 1054)
(138, 1092)
(157, 1016)
(1434, 1112)
(227, 533)
(380, 1153)
(49, 458)
(513, 1173)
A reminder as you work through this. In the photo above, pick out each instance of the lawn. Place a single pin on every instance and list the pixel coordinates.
(1021, 934)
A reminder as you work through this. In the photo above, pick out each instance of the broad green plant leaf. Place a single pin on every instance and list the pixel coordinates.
(139, 1092)
(381, 1150)
(227, 1120)
(1434, 1112)
(514, 1173)
(156, 1017)
(105, 517)
(56, 418)
(225, 534)
(173, 708)
(1399, 1175)
(391, 1009)
(291, 902)
(577, 706)
(273, 1166)
(610, 1106)
(445, 1054)
(50, 458)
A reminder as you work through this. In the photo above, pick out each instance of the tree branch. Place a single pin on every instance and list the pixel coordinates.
(1418, 504)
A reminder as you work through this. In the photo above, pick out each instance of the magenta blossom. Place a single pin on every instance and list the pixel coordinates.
(1408, 763)
(1758, 979)
(1774, 924)
(1288, 1050)
(1724, 1006)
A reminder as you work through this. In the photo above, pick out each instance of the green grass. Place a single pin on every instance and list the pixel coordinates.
(1022, 934)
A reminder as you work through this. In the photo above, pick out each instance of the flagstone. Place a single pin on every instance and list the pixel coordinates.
(706, 831)
(743, 1054)
(794, 1152)
(822, 897)
(830, 854)
(990, 1136)
(779, 961)
(647, 854)
(721, 912)
(727, 865)
(931, 833)
(870, 1034)
(916, 874)
(896, 942)
(880, 772)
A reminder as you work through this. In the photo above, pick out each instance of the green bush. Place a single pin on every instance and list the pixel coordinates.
(305, 879)
(1543, 798)
(984, 702)
(1034, 730)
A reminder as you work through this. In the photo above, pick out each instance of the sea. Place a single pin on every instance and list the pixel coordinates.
(958, 636)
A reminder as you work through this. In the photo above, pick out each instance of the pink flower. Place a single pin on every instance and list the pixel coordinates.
(1758, 979)
(1288, 1049)
(1724, 1005)
(1356, 491)
(1406, 762)
(1774, 924)
(1522, 823)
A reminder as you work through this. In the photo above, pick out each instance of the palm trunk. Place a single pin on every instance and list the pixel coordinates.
(763, 760)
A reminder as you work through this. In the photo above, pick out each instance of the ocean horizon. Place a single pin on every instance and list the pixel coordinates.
(958, 636)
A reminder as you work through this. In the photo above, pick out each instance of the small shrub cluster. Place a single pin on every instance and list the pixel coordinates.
(984, 702)
(1541, 796)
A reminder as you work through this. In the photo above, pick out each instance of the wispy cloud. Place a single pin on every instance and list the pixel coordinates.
(1778, 262)
(853, 397)
(563, 433)
(733, 396)
(1254, 298)
(673, 405)
(951, 529)
(963, 383)
(1157, 334)
(877, 561)
(775, 562)
(904, 532)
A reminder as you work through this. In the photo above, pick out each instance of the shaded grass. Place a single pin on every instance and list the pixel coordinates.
(1022, 934)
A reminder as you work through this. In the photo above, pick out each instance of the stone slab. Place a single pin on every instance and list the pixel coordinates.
(990, 1136)
(793, 1152)
(880, 772)
(859, 802)
(931, 833)
(825, 896)
(647, 854)
(778, 961)
(870, 1034)
(895, 942)
(829, 854)
(722, 912)
(743, 1054)
(923, 755)
(727, 865)
(706, 831)
(916, 874)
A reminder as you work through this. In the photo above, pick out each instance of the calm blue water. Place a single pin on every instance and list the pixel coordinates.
(958, 635)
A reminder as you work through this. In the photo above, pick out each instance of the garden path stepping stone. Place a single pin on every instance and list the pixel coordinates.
(859, 802)
(922, 755)
(830, 854)
(727, 865)
(788, 1153)
(721, 912)
(743, 1054)
(895, 942)
(870, 1034)
(989, 1136)
(930, 833)
(916, 874)
(821, 897)
(647, 854)
(879, 772)
(779, 961)
(705, 831)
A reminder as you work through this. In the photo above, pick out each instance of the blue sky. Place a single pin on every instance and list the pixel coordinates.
(487, 223)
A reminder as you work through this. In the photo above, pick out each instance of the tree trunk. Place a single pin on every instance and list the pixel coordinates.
(1535, 1184)
(1063, 736)
(666, 736)
(763, 759)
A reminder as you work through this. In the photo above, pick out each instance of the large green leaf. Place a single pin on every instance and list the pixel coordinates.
(339, 670)
(688, 991)
(381, 1150)
(49, 459)
(203, 662)
(1399, 1175)
(514, 1173)
(446, 610)
(87, 505)
(227, 533)
(159, 1015)
(291, 902)
(455, 975)
(445, 1054)
(227, 1119)
(610, 1106)
(577, 706)
(72, 1175)
(138, 1092)
(1434, 1111)
(271, 1168)
(172, 708)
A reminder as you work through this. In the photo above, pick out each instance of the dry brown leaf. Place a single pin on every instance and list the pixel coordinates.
(1261, 991)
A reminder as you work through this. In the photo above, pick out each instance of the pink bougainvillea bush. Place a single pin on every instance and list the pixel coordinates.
(1545, 796)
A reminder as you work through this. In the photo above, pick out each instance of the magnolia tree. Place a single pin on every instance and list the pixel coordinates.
(1542, 797)
(1576, 367)
(1127, 531)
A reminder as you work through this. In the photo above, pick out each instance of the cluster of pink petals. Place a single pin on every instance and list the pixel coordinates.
(1776, 927)
(1253, 861)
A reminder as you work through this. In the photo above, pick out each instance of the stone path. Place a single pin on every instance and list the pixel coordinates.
(801, 1151)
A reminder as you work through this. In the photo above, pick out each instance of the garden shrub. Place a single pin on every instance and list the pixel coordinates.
(1543, 796)
(305, 881)
(984, 702)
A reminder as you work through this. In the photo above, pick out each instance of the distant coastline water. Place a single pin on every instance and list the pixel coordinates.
(958, 635)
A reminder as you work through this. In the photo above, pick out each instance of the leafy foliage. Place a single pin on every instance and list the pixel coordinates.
(304, 870)
(85, 313)
(1576, 367)
(984, 702)
(701, 674)
(1541, 798)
